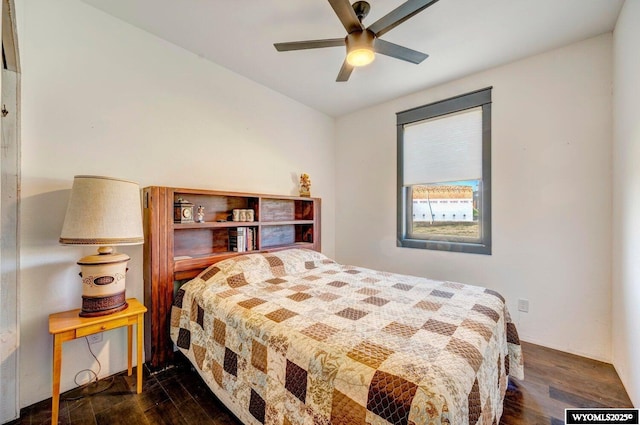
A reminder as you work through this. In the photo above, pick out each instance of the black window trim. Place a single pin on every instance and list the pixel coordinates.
(459, 103)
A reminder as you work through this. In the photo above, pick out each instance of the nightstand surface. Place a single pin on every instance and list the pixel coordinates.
(68, 325)
(70, 320)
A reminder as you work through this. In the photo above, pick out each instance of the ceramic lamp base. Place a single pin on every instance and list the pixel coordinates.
(102, 306)
(103, 283)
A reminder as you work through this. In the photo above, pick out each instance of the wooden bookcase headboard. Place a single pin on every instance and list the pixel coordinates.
(180, 251)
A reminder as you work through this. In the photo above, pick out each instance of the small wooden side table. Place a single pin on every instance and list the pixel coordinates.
(67, 326)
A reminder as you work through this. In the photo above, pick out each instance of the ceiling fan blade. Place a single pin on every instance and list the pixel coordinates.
(345, 72)
(347, 15)
(399, 52)
(399, 15)
(309, 44)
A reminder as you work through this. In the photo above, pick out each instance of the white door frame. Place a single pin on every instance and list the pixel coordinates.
(9, 216)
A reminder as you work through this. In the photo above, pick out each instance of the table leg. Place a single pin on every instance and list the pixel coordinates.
(139, 367)
(129, 349)
(57, 365)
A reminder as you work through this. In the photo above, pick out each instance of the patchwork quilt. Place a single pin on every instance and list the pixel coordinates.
(294, 338)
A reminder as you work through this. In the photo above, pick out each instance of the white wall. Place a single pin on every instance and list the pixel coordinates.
(551, 154)
(101, 97)
(626, 199)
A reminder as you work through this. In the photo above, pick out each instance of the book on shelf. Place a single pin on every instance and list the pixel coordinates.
(242, 239)
(236, 237)
(250, 239)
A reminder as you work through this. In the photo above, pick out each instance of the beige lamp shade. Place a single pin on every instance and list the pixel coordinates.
(103, 211)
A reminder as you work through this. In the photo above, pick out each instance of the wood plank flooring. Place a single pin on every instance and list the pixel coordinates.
(553, 381)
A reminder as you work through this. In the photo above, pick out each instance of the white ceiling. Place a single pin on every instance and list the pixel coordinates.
(461, 37)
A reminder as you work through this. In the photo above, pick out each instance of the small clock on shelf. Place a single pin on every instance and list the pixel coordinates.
(182, 211)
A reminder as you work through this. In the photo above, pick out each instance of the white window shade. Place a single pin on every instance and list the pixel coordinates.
(443, 149)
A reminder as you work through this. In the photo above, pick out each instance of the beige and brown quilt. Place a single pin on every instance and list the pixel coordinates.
(294, 338)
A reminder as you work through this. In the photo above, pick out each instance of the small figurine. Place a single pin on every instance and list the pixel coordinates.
(305, 185)
(200, 214)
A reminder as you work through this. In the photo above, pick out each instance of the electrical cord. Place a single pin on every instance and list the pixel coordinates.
(94, 380)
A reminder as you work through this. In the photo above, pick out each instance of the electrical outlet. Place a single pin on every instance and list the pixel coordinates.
(95, 338)
(523, 305)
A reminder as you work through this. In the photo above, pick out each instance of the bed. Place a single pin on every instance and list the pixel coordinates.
(292, 337)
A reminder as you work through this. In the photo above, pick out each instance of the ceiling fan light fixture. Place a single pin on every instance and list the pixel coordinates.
(360, 50)
(360, 57)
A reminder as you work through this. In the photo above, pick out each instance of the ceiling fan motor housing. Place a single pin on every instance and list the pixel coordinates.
(360, 47)
(364, 39)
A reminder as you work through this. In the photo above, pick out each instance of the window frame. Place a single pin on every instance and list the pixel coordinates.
(478, 98)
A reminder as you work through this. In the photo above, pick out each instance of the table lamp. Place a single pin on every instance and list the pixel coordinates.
(103, 212)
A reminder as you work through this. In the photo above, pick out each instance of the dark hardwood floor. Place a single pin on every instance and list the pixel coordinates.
(553, 381)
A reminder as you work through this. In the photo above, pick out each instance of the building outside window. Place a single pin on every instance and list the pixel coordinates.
(444, 174)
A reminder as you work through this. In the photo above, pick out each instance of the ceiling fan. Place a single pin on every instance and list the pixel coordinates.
(363, 42)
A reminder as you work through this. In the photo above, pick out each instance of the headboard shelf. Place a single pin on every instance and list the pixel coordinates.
(280, 223)
(213, 225)
(287, 246)
(199, 263)
(179, 251)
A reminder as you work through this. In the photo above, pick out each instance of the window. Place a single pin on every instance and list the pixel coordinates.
(444, 174)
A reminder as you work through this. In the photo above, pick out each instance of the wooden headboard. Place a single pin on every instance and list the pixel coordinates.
(177, 251)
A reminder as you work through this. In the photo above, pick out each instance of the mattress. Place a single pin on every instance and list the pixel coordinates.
(293, 337)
